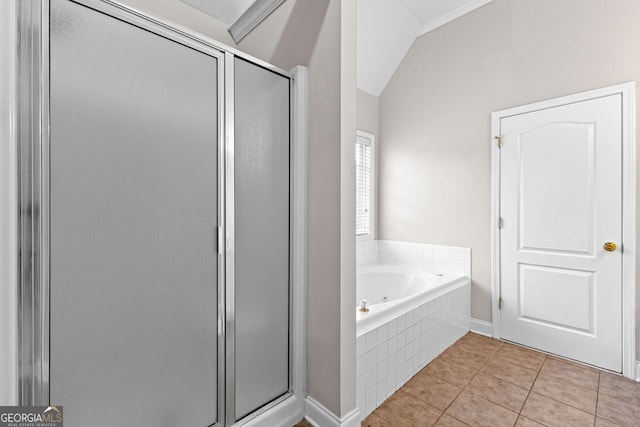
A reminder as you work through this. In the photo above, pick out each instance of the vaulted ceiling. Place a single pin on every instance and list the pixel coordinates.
(388, 28)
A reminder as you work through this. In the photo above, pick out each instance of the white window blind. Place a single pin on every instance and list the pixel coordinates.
(364, 185)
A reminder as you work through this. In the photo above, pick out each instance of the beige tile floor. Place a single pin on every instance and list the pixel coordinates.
(480, 381)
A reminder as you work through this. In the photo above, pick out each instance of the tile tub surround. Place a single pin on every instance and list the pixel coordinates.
(444, 259)
(389, 355)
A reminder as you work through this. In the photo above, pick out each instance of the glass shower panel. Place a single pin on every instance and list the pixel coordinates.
(262, 132)
(134, 215)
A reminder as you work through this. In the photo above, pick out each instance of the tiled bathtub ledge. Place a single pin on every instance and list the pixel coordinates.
(445, 259)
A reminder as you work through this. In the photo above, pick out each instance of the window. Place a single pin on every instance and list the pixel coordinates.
(365, 178)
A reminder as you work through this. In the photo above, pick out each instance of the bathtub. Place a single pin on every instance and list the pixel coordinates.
(414, 315)
(391, 290)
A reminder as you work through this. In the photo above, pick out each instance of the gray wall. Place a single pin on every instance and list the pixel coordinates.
(348, 106)
(368, 112)
(321, 35)
(435, 164)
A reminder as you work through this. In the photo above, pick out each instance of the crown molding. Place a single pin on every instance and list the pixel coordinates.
(457, 13)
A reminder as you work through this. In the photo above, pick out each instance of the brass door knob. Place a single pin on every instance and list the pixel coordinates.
(609, 246)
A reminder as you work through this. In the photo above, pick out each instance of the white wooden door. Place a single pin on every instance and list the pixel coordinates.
(560, 203)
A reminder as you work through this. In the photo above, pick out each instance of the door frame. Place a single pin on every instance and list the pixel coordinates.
(627, 90)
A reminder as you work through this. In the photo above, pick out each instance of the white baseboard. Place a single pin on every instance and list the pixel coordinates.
(481, 327)
(319, 416)
(638, 370)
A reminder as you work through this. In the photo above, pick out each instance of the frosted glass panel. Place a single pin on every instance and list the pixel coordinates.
(261, 236)
(133, 225)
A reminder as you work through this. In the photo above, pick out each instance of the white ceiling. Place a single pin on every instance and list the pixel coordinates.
(388, 28)
(226, 11)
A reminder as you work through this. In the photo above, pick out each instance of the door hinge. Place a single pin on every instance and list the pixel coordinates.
(499, 139)
(500, 222)
(500, 303)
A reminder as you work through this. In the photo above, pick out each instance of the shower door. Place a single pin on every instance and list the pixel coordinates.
(260, 312)
(134, 208)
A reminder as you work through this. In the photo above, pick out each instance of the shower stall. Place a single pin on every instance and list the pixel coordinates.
(161, 218)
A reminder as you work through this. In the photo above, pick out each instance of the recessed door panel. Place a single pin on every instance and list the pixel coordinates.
(554, 197)
(261, 150)
(545, 293)
(134, 214)
(560, 203)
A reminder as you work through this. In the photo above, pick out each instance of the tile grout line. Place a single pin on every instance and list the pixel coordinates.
(570, 405)
(465, 386)
(530, 390)
(458, 361)
(490, 357)
(616, 401)
(519, 412)
(546, 358)
(573, 385)
(452, 400)
(411, 394)
(495, 353)
(512, 383)
(563, 403)
(444, 411)
(595, 419)
(496, 403)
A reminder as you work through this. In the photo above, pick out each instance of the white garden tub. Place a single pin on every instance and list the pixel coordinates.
(393, 290)
(414, 314)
